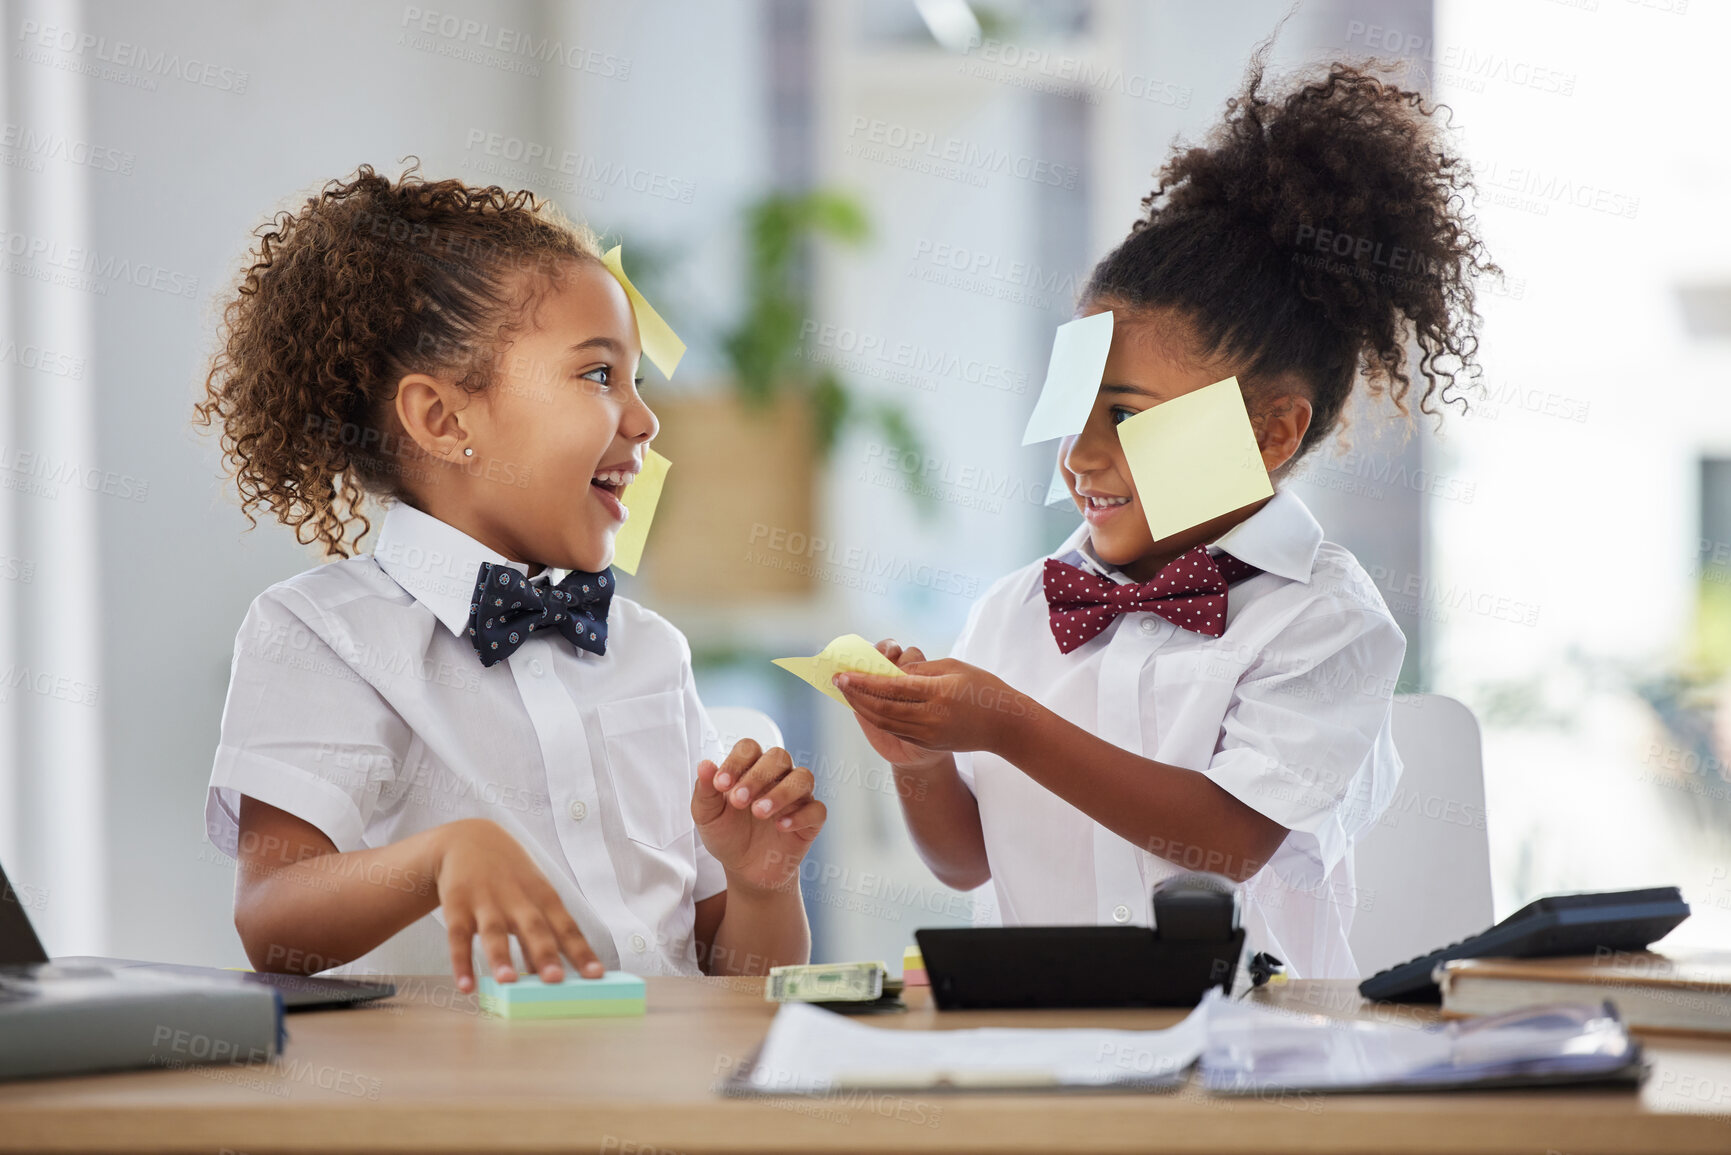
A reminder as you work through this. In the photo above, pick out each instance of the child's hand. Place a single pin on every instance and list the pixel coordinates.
(894, 750)
(757, 815)
(489, 885)
(936, 706)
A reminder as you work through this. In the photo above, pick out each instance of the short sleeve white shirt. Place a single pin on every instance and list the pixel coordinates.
(1289, 711)
(357, 703)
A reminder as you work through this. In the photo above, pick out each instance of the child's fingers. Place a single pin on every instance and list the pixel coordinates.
(804, 821)
(775, 764)
(920, 668)
(574, 946)
(495, 944)
(796, 786)
(741, 758)
(889, 649)
(885, 687)
(900, 719)
(540, 948)
(460, 935)
(707, 802)
(867, 709)
(910, 656)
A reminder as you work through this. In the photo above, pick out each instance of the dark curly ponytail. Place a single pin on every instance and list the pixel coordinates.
(1312, 238)
(371, 280)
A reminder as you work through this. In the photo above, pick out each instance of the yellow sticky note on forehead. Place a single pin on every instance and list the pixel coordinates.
(660, 344)
(1194, 458)
(850, 654)
(639, 499)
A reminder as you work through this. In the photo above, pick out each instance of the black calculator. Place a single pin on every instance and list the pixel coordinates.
(1563, 924)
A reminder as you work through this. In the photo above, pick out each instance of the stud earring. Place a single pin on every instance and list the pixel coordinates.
(468, 452)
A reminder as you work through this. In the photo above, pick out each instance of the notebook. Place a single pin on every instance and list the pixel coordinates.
(1652, 991)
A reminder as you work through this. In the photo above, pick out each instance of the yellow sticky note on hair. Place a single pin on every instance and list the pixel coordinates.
(660, 344)
(1194, 458)
(639, 499)
(849, 654)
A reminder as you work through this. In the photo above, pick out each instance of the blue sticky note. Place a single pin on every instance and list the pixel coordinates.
(614, 993)
(1073, 376)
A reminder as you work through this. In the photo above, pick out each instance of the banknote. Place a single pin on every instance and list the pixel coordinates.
(825, 983)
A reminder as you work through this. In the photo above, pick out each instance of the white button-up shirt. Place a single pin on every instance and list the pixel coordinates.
(357, 702)
(1288, 710)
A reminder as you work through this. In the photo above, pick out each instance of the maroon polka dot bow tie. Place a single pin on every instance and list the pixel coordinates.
(1190, 592)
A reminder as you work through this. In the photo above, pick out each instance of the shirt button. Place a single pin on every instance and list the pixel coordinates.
(1120, 913)
(639, 943)
(579, 810)
(1149, 625)
(535, 667)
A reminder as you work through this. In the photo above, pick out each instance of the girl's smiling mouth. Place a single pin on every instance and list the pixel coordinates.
(609, 484)
(1099, 507)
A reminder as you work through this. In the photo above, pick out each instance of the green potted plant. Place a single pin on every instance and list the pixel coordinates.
(738, 521)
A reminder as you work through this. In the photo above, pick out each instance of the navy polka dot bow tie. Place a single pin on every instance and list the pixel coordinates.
(506, 609)
(1190, 592)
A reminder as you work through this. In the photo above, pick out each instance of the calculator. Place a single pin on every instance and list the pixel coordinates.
(1563, 924)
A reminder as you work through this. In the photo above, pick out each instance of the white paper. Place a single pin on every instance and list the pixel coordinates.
(811, 1051)
(1072, 378)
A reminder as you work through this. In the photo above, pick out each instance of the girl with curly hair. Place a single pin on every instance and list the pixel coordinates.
(465, 732)
(1219, 699)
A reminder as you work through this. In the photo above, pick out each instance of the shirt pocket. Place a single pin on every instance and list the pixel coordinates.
(647, 761)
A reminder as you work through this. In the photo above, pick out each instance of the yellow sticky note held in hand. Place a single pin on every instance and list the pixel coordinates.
(1194, 458)
(848, 654)
(639, 499)
(660, 344)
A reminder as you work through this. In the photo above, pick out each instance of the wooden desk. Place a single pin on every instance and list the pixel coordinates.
(426, 1072)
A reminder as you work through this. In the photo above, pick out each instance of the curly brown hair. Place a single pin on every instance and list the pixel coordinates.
(371, 280)
(1315, 235)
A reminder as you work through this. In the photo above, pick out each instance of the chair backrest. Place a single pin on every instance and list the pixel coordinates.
(421, 947)
(1424, 871)
(737, 722)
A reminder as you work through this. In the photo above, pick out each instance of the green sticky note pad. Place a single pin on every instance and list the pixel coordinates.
(1194, 458)
(614, 993)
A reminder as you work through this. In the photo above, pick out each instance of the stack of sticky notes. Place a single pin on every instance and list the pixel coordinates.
(614, 993)
(914, 968)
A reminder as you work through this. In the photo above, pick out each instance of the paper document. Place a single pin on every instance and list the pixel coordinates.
(812, 1051)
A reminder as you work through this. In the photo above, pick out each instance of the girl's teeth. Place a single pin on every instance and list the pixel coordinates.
(615, 478)
(1107, 502)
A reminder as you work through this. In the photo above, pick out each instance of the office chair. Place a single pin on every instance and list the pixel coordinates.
(1426, 864)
